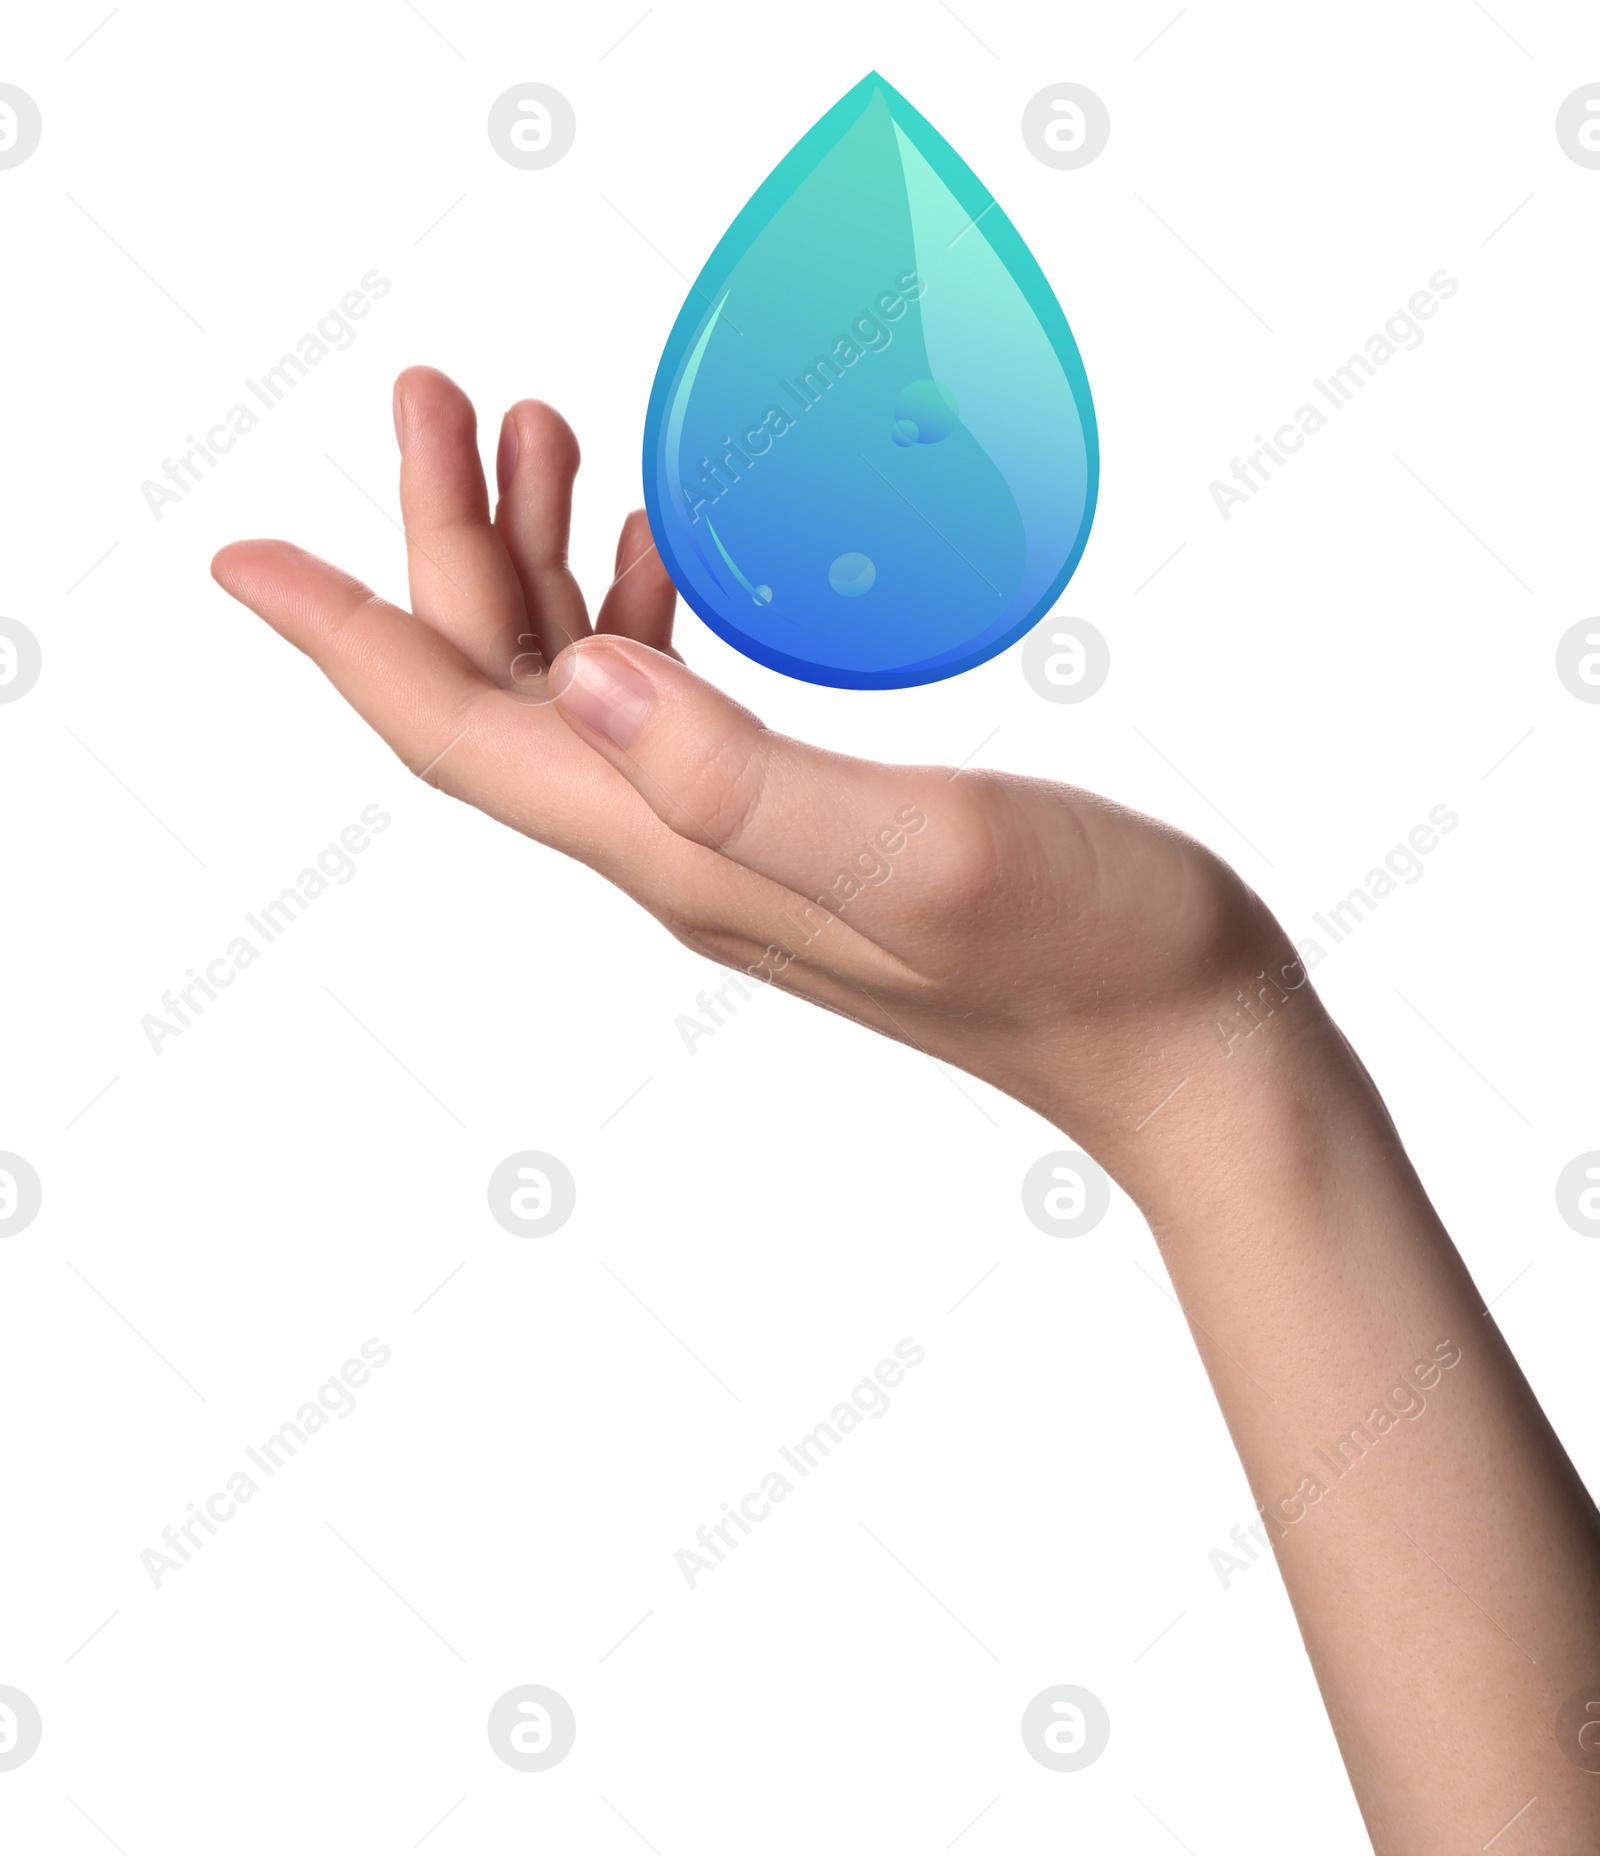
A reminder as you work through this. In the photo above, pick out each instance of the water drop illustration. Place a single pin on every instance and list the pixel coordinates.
(870, 455)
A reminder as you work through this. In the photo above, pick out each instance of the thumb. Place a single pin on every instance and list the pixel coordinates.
(822, 824)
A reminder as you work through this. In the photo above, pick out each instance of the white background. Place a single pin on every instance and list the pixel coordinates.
(1325, 667)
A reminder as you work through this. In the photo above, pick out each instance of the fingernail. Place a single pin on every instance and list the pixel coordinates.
(599, 688)
(506, 457)
(399, 418)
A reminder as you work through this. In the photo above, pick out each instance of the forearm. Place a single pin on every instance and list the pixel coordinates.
(1442, 1557)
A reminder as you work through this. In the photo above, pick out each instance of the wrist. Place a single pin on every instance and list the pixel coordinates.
(1255, 1108)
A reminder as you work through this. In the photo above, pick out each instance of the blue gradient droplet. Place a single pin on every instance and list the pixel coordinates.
(871, 386)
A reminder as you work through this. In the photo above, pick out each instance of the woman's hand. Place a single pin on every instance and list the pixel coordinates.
(1114, 975)
(1079, 956)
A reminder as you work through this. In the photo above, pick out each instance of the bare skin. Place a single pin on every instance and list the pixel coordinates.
(1115, 976)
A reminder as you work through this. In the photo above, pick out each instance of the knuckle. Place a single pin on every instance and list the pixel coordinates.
(967, 854)
(722, 791)
(344, 608)
(439, 765)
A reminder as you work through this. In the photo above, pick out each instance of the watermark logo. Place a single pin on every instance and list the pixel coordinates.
(1065, 660)
(1577, 1193)
(532, 1194)
(1578, 1727)
(20, 1194)
(1066, 126)
(1066, 1728)
(1065, 1193)
(21, 660)
(20, 1729)
(1578, 132)
(519, 660)
(20, 126)
(531, 126)
(1578, 660)
(532, 1728)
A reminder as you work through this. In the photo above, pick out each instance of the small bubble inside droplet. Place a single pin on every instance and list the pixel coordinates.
(763, 595)
(851, 575)
(929, 408)
(904, 431)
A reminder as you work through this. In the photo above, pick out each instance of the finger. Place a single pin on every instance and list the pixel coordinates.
(640, 601)
(446, 721)
(462, 584)
(523, 765)
(829, 828)
(537, 462)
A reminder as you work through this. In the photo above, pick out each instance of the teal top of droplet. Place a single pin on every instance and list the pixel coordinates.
(870, 454)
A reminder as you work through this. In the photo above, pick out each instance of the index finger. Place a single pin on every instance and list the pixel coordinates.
(448, 723)
(401, 676)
